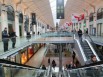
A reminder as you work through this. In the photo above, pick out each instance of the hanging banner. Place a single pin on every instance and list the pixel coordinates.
(60, 9)
(33, 18)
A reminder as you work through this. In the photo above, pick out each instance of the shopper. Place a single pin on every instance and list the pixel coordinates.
(53, 64)
(5, 39)
(80, 35)
(28, 36)
(92, 60)
(49, 60)
(43, 67)
(71, 65)
(87, 31)
(73, 56)
(13, 38)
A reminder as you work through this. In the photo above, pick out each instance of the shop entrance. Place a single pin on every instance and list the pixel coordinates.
(10, 28)
(20, 30)
(99, 27)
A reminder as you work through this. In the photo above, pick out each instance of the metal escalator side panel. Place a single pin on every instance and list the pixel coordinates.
(94, 52)
(80, 52)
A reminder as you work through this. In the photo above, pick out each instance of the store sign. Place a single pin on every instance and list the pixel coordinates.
(60, 9)
(33, 18)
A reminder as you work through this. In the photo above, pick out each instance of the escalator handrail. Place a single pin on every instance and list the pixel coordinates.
(94, 52)
(89, 65)
(15, 65)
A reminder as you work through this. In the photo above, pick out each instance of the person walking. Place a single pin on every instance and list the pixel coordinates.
(5, 39)
(43, 67)
(80, 35)
(13, 38)
(73, 56)
(49, 61)
(53, 64)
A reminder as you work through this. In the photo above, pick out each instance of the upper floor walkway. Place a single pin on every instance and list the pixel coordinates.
(50, 37)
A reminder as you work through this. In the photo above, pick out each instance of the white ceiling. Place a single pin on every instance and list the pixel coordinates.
(77, 6)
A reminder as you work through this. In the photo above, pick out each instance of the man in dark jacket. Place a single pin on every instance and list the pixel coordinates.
(5, 39)
(80, 34)
(13, 38)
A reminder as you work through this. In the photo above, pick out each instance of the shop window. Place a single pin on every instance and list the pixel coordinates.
(21, 18)
(30, 52)
(23, 58)
(91, 17)
(100, 13)
(10, 13)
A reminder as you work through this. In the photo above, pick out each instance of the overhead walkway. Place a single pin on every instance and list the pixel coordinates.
(43, 38)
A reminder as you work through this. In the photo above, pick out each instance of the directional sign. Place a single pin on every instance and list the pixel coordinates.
(60, 9)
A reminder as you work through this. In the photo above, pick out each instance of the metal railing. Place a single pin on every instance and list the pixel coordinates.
(10, 69)
(91, 70)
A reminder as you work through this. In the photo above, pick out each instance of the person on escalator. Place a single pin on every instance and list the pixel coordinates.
(43, 67)
(92, 60)
(91, 71)
(80, 35)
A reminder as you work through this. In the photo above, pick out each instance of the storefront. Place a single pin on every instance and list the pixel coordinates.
(30, 51)
(23, 56)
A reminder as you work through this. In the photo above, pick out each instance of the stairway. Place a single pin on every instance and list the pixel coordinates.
(87, 50)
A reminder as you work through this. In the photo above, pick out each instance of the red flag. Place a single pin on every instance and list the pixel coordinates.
(79, 18)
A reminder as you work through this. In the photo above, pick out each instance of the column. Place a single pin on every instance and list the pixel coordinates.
(87, 24)
(23, 31)
(35, 29)
(82, 26)
(78, 26)
(4, 21)
(17, 23)
(95, 24)
(45, 28)
(73, 26)
(29, 24)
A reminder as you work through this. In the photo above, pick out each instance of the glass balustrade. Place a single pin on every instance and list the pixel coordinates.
(19, 42)
(18, 71)
(90, 71)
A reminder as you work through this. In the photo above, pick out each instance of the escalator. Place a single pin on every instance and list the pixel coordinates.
(84, 49)
(11, 69)
(87, 50)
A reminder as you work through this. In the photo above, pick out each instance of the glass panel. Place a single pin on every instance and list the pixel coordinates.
(10, 71)
(94, 71)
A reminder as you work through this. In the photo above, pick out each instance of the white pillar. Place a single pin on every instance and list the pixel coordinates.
(23, 31)
(87, 24)
(95, 23)
(78, 26)
(4, 21)
(29, 24)
(17, 23)
(82, 25)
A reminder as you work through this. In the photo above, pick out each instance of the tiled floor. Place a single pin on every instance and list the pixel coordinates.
(36, 60)
(66, 58)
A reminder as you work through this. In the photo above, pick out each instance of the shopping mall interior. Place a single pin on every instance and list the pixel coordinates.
(51, 38)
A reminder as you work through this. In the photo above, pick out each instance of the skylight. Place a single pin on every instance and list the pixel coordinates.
(53, 8)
